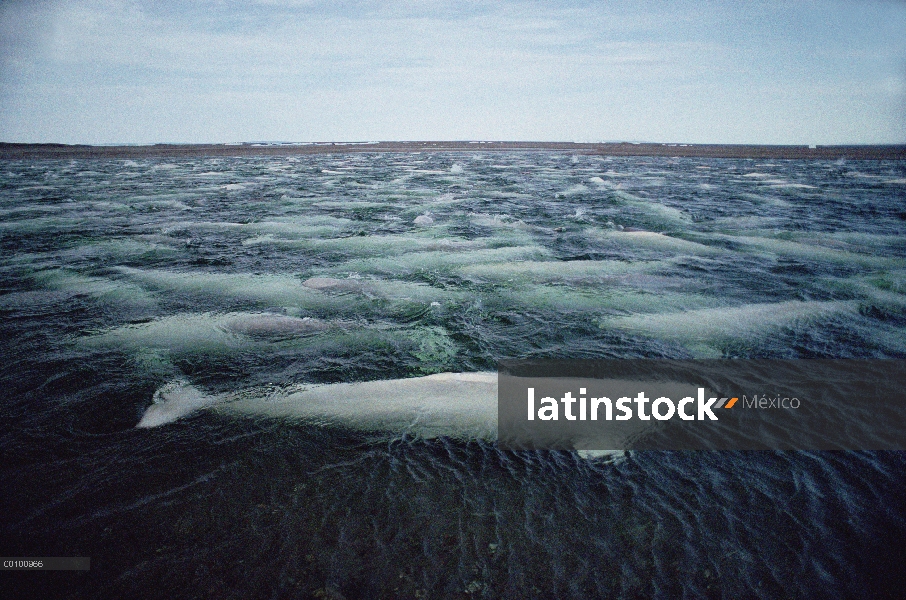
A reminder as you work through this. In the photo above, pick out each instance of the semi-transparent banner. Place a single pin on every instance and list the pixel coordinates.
(703, 404)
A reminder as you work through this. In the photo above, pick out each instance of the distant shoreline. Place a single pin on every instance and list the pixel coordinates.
(12, 151)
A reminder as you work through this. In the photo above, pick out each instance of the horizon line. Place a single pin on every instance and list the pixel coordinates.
(450, 141)
(22, 150)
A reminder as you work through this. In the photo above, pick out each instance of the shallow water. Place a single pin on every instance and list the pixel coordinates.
(118, 277)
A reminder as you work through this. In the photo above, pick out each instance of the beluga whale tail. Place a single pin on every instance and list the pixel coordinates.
(173, 401)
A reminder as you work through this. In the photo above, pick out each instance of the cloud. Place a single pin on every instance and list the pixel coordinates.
(429, 69)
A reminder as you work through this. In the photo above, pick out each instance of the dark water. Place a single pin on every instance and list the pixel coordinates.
(118, 277)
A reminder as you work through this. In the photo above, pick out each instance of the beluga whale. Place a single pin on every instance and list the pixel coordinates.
(459, 405)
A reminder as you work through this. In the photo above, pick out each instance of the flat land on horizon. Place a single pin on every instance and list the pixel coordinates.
(12, 151)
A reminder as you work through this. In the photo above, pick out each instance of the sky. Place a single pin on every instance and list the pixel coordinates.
(220, 71)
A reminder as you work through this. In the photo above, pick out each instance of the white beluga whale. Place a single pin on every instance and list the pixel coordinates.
(555, 271)
(650, 241)
(390, 245)
(208, 332)
(704, 330)
(455, 405)
(440, 260)
(332, 284)
(444, 404)
(102, 289)
(160, 341)
(288, 291)
(816, 250)
(282, 290)
(268, 325)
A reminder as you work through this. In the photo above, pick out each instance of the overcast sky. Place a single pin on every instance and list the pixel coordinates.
(791, 72)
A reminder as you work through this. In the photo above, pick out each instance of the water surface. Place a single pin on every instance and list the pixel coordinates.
(118, 277)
